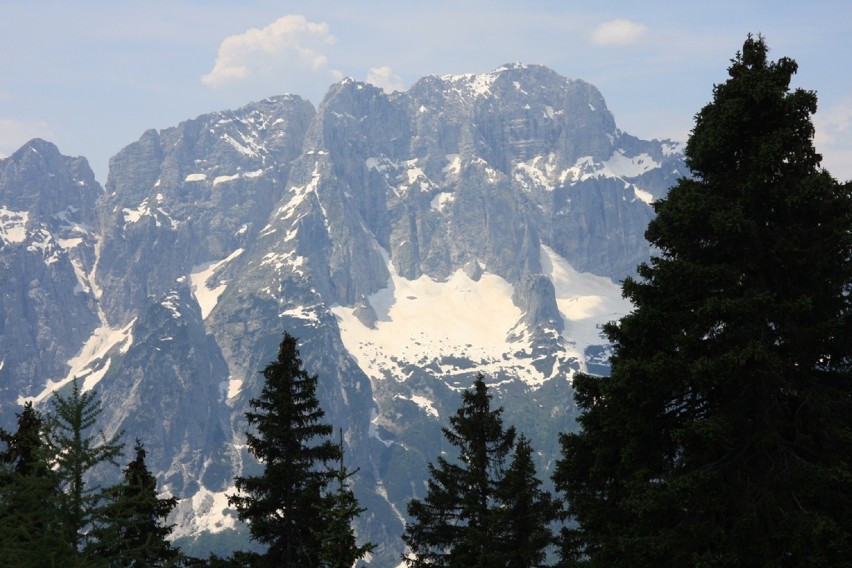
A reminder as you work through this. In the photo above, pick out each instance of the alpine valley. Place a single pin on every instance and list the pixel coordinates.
(474, 224)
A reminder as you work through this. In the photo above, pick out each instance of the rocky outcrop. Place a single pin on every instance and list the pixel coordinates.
(47, 252)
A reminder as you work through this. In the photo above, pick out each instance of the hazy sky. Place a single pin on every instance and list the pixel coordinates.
(92, 76)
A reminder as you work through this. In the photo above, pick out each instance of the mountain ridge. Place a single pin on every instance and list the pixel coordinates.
(506, 204)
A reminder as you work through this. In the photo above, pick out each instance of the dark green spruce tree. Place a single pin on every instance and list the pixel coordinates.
(292, 442)
(468, 515)
(131, 530)
(77, 447)
(526, 512)
(723, 436)
(339, 547)
(31, 523)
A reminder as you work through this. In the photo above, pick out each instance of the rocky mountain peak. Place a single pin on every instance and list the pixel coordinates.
(474, 223)
(44, 183)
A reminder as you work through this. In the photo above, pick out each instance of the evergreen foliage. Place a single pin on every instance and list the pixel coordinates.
(25, 451)
(75, 450)
(338, 545)
(291, 442)
(31, 530)
(526, 512)
(723, 435)
(466, 518)
(131, 531)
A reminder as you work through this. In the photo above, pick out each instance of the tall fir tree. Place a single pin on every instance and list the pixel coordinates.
(292, 442)
(339, 547)
(31, 523)
(131, 530)
(463, 519)
(723, 435)
(77, 447)
(25, 449)
(526, 512)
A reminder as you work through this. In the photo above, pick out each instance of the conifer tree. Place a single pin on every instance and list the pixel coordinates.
(131, 530)
(292, 442)
(456, 524)
(526, 512)
(25, 448)
(76, 448)
(31, 529)
(723, 435)
(338, 546)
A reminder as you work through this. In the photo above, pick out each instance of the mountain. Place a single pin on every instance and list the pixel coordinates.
(475, 223)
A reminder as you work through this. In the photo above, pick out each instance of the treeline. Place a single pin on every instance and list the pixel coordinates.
(52, 514)
(722, 437)
(485, 506)
(51, 517)
(301, 508)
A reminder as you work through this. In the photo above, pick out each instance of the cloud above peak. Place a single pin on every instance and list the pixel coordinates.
(618, 33)
(289, 44)
(385, 79)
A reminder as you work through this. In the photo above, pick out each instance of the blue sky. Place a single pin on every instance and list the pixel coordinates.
(92, 76)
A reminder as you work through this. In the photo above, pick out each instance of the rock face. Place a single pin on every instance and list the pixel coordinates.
(48, 232)
(476, 223)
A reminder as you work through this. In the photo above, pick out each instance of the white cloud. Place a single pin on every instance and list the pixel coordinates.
(385, 79)
(834, 121)
(833, 138)
(16, 133)
(618, 33)
(288, 43)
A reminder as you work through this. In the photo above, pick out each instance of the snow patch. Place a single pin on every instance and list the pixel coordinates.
(413, 174)
(442, 200)
(453, 164)
(279, 260)
(299, 193)
(206, 511)
(302, 313)
(42, 242)
(13, 226)
(234, 387)
(196, 177)
(584, 168)
(425, 404)
(69, 244)
(479, 85)
(133, 215)
(643, 195)
(449, 326)
(452, 338)
(241, 148)
(621, 166)
(223, 179)
(170, 302)
(539, 172)
(373, 429)
(586, 301)
(90, 364)
(207, 295)
(82, 286)
(144, 210)
(671, 148)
